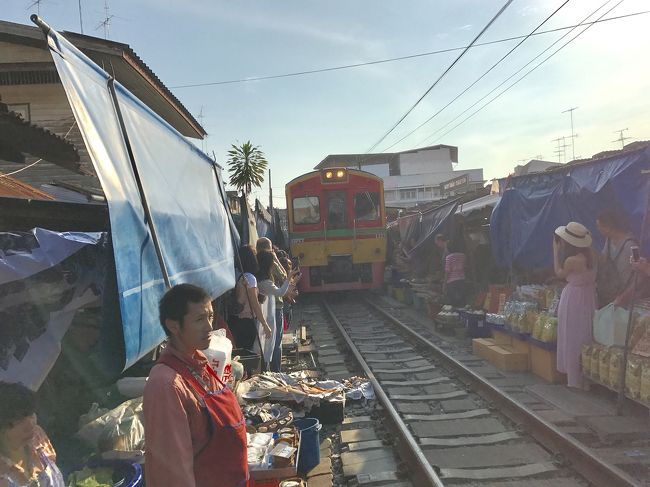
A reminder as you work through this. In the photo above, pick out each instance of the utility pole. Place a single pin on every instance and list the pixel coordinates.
(270, 193)
(573, 135)
(621, 138)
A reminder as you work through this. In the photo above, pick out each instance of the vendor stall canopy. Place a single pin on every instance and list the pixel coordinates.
(532, 206)
(143, 164)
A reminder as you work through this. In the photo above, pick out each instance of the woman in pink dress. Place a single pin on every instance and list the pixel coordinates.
(574, 261)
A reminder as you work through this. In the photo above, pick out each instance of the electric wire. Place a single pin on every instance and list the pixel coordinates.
(479, 78)
(390, 60)
(520, 79)
(444, 73)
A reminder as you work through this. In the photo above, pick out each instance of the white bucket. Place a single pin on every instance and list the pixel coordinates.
(219, 354)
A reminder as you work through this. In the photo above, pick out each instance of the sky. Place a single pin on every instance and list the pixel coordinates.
(297, 121)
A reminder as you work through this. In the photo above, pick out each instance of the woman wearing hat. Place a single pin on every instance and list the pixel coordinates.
(574, 260)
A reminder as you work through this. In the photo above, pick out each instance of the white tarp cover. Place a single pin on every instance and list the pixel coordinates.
(180, 186)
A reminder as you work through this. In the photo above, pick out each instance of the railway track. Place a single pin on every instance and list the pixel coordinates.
(450, 425)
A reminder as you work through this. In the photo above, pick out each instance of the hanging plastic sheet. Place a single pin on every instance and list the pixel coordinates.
(533, 206)
(179, 183)
(45, 278)
(429, 224)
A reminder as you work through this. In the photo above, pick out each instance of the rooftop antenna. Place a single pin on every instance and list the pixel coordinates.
(621, 138)
(38, 6)
(573, 135)
(106, 23)
(201, 116)
(558, 151)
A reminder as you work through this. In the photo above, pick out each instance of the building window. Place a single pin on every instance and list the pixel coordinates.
(407, 194)
(306, 210)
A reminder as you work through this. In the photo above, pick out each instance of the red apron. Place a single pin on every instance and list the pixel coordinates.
(223, 461)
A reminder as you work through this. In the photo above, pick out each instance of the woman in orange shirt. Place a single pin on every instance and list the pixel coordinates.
(26, 454)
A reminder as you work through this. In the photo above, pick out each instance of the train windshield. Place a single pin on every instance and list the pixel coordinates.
(336, 209)
(306, 210)
(366, 206)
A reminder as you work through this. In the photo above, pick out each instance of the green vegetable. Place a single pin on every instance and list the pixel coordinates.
(91, 477)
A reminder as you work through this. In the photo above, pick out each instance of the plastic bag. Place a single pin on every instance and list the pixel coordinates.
(219, 354)
(119, 429)
(610, 325)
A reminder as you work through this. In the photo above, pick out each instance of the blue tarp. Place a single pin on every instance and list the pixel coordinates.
(180, 185)
(533, 206)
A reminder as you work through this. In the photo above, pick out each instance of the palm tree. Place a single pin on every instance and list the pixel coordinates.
(247, 165)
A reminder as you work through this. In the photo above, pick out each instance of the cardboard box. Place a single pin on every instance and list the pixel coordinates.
(505, 358)
(480, 347)
(544, 364)
(501, 338)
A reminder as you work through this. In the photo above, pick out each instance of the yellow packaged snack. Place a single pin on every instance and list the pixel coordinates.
(539, 326)
(645, 382)
(615, 361)
(594, 365)
(549, 330)
(633, 377)
(586, 359)
(603, 365)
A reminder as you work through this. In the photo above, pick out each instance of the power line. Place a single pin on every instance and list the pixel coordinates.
(587, 26)
(479, 78)
(390, 60)
(444, 73)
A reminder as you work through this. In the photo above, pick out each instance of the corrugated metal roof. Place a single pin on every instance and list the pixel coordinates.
(12, 188)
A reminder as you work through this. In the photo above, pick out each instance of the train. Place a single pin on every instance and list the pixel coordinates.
(337, 229)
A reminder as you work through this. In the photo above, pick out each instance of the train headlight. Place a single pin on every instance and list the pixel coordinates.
(340, 173)
(329, 175)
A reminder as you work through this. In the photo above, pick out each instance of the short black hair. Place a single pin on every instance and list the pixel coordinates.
(16, 403)
(614, 219)
(173, 305)
(248, 259)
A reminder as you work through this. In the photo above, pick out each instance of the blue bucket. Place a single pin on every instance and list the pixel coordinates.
(309, 453)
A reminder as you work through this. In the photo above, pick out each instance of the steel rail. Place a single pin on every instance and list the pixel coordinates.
(425, 469)
(591, 467)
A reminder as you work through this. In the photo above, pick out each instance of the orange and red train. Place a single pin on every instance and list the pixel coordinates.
(337, 229)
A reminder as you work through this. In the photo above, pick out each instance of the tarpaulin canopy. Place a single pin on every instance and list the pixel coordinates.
(423, 229)
(533, 206)
(144, 163)
(45, 278)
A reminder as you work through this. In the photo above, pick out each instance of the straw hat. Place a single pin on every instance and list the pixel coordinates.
(574, 233)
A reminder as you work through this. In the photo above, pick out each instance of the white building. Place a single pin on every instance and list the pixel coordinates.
(415, 176)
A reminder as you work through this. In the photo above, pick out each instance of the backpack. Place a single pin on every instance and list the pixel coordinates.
(609, 283)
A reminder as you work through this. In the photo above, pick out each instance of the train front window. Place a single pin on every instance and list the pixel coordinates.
(306, 210)
(336, 209)
(366, 206)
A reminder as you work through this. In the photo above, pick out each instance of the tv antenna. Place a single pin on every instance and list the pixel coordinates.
(561, 148)
(201, 116)
(621, 138)
(106, 23)
(573, 134)
(36, 3)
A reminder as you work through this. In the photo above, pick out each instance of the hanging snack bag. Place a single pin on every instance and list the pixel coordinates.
(539, 326)
(633, 377)
(586, 359)
(615, 361)
(645, 381)
(549, 330)
(594, 364)
(603, 364)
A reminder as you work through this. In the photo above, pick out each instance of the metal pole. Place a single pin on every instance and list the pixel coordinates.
(138, 180)
(81, 20)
